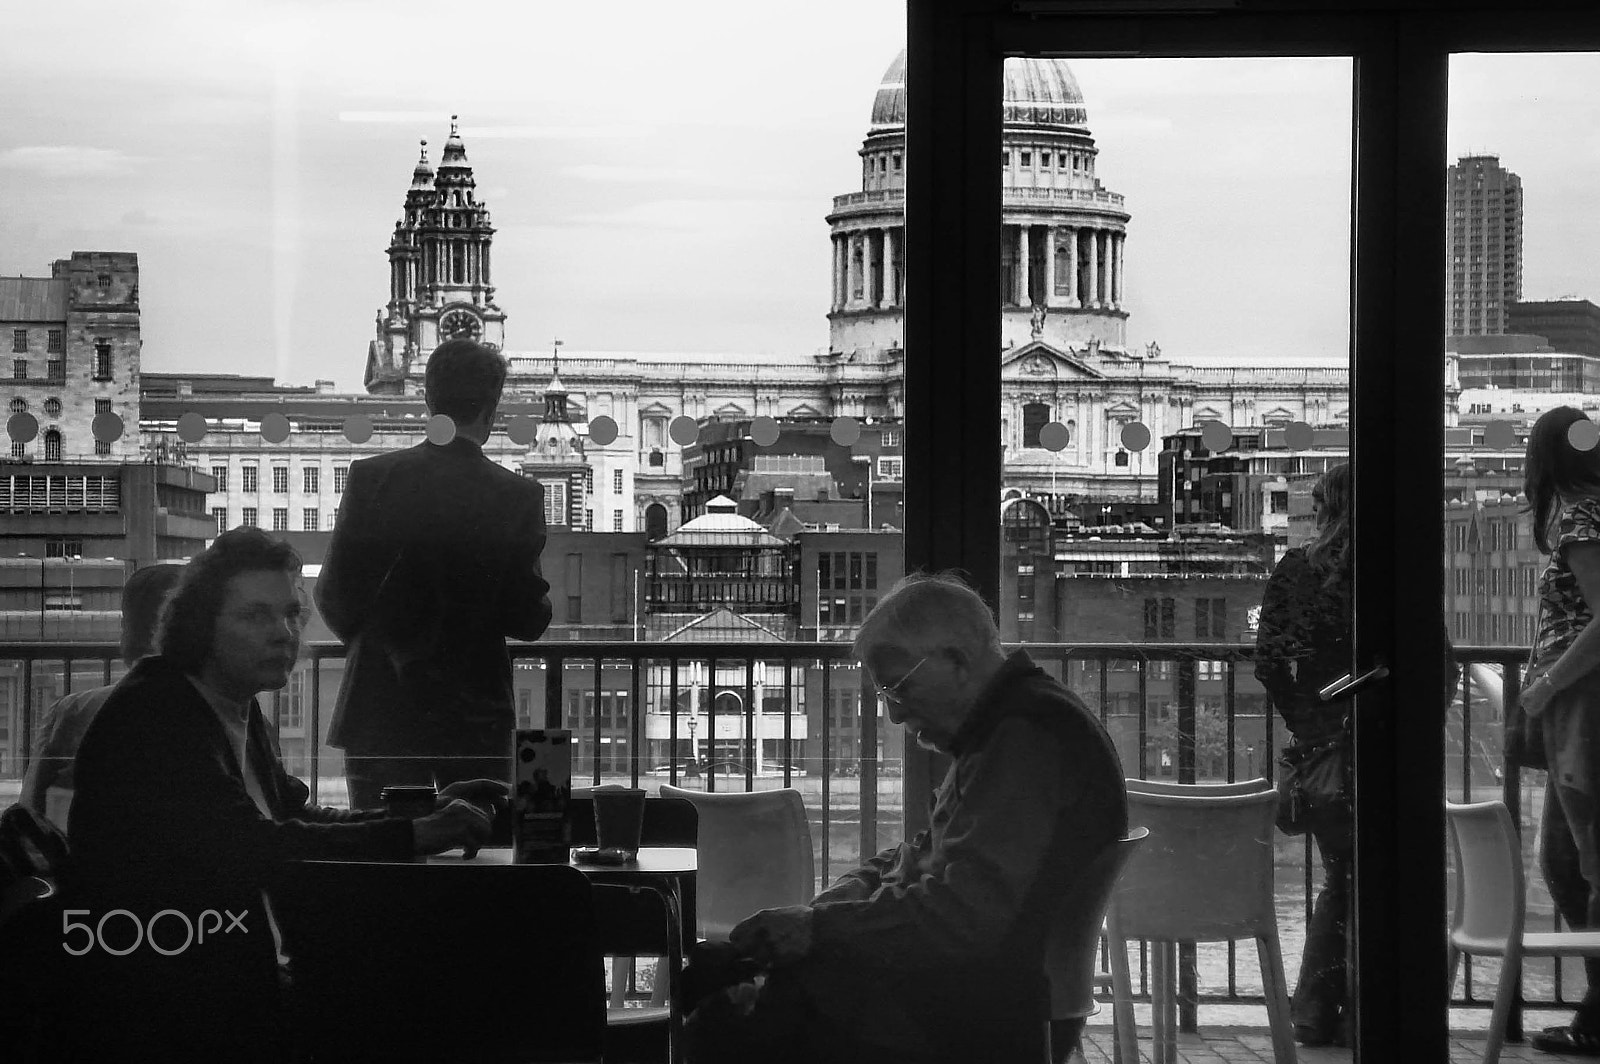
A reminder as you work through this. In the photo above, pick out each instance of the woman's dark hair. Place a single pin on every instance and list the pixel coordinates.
(1330, 551)
(1556, 471)
(190, 618)
(463, 379)
(143, 595)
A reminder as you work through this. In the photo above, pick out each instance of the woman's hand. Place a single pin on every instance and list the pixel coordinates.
(1536, 696)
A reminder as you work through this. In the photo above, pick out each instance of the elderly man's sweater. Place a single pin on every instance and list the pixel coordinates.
(958, 916)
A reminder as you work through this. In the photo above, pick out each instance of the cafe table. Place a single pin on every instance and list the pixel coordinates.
(663, 870)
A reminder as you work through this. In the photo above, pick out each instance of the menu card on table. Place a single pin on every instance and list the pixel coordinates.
(543, 790)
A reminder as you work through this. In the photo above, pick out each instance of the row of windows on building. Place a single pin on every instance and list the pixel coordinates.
(1513, 629)
(1210, 618)
(1523, 580)
(1061, 160)
(310, 479)
(53, 444)
(250, 516)
(1500, 533)
(55, 369)
(55, 341)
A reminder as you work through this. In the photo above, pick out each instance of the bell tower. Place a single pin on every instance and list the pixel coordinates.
(440, 285)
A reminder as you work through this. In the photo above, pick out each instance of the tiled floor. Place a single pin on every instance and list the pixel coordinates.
(1252, 1045)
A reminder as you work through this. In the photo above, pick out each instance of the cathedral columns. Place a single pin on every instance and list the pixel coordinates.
(1022, 265)
(840, 280)
(1121, 240)
(852, 267)
(1072, 266)
(891, 270)
(1092, 295)
(1050, 266)
(868, 269)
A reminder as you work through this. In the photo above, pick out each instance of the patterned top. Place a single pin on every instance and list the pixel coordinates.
(1562, 611)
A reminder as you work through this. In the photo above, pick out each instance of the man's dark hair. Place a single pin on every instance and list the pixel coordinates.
(463, 379)
(143, 595)
(190, 618)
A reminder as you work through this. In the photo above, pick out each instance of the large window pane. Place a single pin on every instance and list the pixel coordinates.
(697, 283)
(1174, 301)
(1522, 337)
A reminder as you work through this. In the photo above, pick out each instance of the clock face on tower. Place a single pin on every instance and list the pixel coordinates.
(460, 324)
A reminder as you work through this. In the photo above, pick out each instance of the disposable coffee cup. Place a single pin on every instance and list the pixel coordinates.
(410, 802)
(618, 817)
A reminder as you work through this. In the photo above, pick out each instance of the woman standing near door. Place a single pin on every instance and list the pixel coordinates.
(1304, 643)
(1562, 484)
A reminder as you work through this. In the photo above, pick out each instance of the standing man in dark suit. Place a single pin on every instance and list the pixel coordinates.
(434, 563)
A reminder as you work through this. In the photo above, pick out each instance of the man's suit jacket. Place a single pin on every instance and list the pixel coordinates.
(161, 820)
(434, 563)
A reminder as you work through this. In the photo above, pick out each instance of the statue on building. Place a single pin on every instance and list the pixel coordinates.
(1152, 351)
(1036, 320)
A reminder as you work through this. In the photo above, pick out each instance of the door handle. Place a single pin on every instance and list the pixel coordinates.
(1350, 684)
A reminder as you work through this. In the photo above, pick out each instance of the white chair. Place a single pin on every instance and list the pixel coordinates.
(1490, 907)
(755, 853)
(1204, 875)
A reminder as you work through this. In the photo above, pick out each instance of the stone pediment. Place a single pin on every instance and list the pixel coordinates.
(730, 411)
(804, 410)
(1123, 410)
(1042, 362)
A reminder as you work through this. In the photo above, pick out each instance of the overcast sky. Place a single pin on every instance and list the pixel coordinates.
(658, 175)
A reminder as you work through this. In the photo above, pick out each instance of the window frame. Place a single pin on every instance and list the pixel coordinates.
(1400, 77)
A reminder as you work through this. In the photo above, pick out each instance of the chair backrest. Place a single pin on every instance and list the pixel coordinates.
(1214, 790)
(1072, 953)
(1490, 888)
(1206, 872)
(755, 853)
(422, 962)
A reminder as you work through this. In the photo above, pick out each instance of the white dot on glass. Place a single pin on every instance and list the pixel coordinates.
(1135, 436)
(1297, 436)
(441, 429)
(603, 431)
(1053, 436)
(522, 429)
(275, 428)
(764, 431)
(106, 428)
(1500, 434)
(22, 428)
(1216, 436)
(191, 427)
(358, 428)
(845, 431)
(683, 430)
(1583, 435)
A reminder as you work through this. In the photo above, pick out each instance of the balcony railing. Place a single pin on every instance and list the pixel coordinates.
(1184, 711)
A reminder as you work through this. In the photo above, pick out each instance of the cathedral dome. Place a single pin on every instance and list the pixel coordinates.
(1038, 92)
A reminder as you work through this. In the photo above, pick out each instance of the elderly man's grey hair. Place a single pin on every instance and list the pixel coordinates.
(925, 613)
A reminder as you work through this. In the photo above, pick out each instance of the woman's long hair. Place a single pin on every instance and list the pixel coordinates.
(1330, 551)
(1555, 471)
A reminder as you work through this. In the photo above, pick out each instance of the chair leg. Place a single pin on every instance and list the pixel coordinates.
(1164, 1037)
(621, 976)
(1504, 995)
(1125, 1047)
(1275, 987)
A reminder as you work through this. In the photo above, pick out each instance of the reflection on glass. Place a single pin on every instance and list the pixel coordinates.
(1174, 301)
(1522, 337)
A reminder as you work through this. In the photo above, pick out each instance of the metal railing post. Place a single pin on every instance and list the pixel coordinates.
(1188, 957)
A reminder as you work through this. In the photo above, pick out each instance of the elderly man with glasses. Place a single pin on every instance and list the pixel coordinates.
(932, 951)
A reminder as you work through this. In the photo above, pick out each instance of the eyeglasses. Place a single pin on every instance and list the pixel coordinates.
(891, 694)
